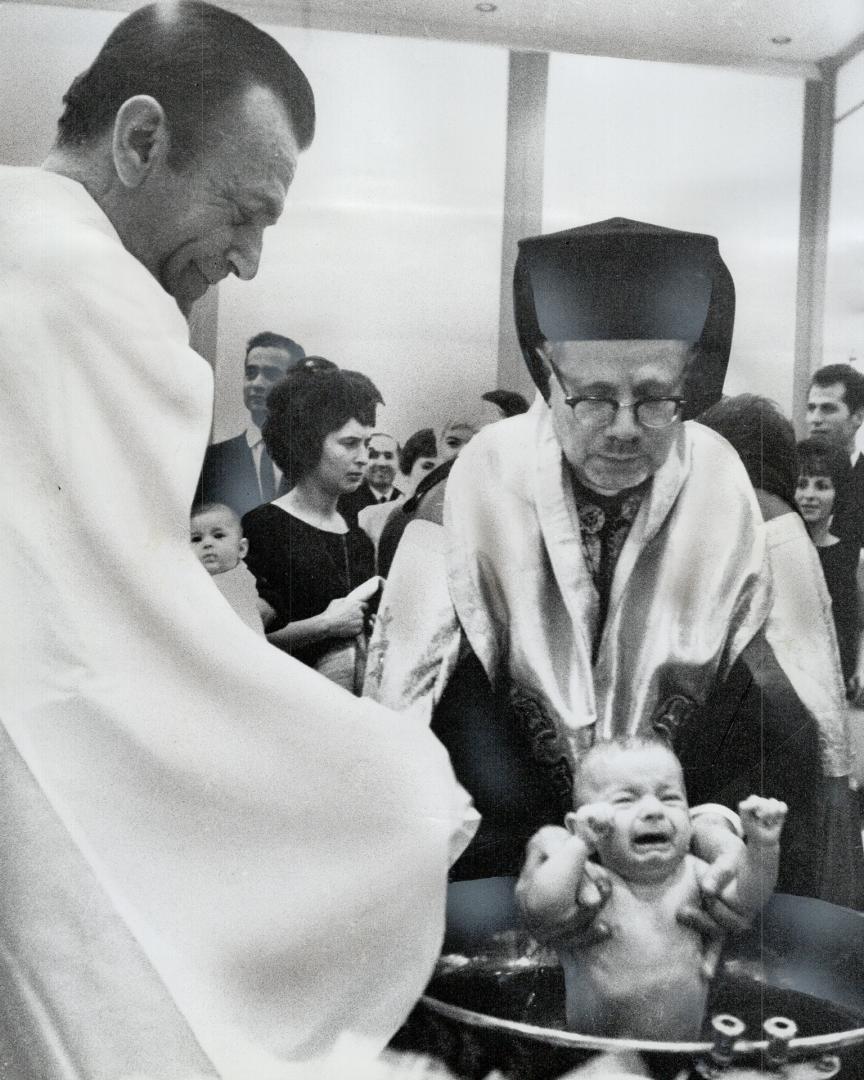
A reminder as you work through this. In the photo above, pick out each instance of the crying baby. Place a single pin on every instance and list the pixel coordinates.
(646, 974)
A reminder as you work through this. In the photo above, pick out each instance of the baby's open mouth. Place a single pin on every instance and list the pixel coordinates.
(658, 838)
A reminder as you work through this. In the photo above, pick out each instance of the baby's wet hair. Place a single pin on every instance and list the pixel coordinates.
(620, 743)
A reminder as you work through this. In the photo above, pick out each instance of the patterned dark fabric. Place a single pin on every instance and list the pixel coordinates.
(495, 756)
(604, 522)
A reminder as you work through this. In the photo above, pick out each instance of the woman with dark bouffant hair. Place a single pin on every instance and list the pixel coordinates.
(314, 569)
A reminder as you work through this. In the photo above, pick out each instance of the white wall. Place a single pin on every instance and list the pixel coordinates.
(387, 257)
(703, 149)
(41, 50)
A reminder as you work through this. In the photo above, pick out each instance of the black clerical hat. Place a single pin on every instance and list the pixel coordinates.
(622, 279)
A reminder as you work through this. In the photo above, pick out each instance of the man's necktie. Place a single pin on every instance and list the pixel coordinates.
(266, 476)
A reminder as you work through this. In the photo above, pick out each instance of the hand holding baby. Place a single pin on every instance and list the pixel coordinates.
(646, 974)
(592, 821)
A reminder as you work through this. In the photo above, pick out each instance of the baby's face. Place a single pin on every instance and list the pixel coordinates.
(217, 540)
(650, 820)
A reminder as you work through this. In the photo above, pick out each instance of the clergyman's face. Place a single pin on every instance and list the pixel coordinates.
(266, 365)
(622, 453)
(208, 219)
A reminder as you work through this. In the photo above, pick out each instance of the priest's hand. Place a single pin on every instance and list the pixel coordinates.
(560, 892)
(716, 843)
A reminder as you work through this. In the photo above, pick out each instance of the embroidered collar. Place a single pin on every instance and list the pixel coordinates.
(604, 521)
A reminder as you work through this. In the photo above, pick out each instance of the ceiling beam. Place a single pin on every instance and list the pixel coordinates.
(532, 35)
(855, 46)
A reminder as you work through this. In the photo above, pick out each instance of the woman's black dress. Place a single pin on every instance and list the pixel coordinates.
(299, 569)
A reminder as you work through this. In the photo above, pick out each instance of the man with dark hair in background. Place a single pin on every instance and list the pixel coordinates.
(835, 412)
(202, 838)
(238, 472)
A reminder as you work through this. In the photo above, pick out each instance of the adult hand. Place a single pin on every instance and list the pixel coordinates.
(714, 841)
(344, 617)
(592, 821)
(560, 893)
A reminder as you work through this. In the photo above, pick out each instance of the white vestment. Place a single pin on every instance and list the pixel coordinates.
(276, 849)
(688, 594)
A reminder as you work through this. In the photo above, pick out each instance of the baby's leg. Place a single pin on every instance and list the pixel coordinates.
(762, 821)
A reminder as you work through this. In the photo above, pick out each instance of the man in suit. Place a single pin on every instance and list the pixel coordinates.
(239, 471)
(835, 412)
(378, 487)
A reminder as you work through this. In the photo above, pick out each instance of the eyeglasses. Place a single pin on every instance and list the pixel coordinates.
(600, 411)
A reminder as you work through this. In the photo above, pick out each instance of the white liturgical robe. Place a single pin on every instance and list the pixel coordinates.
(261, 854)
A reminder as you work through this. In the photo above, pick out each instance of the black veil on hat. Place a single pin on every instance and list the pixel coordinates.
(622, 279)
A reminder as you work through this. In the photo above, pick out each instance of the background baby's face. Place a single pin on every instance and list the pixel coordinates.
(217, 539)
(638, 799)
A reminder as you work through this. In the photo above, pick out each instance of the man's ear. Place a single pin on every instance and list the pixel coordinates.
(140, 139)
(858, 416)
(243, 548)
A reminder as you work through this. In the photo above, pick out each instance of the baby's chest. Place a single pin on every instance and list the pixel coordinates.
(646, 932)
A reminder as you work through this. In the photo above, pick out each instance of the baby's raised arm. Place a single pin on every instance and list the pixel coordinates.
(762, 822)
(559, 892)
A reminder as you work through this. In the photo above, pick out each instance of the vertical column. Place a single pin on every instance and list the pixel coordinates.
(523, 197)
(817, 149)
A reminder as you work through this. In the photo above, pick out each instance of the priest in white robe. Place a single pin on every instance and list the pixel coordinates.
(215, 862)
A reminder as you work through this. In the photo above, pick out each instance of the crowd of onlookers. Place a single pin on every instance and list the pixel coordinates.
(289, 514)
(297, 516)
(599, 570)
